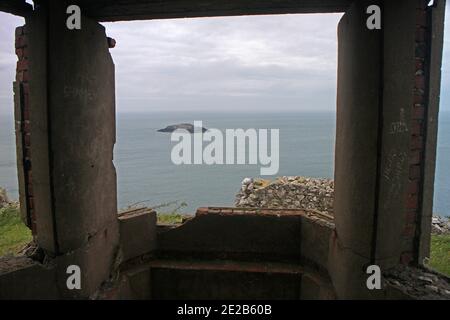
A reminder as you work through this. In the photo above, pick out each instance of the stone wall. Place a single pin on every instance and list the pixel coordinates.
(22, 128)
(287, 192)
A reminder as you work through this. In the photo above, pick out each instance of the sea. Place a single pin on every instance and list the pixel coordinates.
(147, 176)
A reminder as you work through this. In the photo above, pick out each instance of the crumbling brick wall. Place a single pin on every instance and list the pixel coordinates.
(411, 232)
(23, 137)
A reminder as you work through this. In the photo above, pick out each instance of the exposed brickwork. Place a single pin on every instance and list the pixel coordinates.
(418, 131)
(22, 78)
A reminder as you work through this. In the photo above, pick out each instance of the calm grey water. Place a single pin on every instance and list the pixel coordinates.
(146, 173)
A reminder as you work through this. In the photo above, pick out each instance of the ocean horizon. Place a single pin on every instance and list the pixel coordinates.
(146, 174)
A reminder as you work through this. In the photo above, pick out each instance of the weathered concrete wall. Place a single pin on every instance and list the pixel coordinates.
(393, 235)
(235, 253)
(22, 278)
(358, 104)
(386, 138)
(73, 135)
(382, 94)
(137, 233)
(275, 235)
(190, 284)
(433, 34)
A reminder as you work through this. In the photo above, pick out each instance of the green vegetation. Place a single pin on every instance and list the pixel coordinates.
(171, 218)
(13, 232)
(440, 253)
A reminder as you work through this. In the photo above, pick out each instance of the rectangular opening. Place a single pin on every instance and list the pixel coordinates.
(251, 72)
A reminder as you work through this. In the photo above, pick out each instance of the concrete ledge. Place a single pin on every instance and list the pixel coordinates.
(23, 278)
(248, 234)
(221, 279)
(137, 232)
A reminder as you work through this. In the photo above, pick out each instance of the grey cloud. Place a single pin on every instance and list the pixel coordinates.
(289, 56)
(233, 63)
(7, 59)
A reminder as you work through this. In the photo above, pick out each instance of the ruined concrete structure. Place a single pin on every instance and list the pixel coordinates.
(387, 109)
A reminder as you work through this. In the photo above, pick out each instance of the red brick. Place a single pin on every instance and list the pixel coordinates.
(419, 63)
(19, 31)
(30, 177)
(21, 41)
(33, 222)
(416, 128)
(412, 202)
(406, 258)
(420, 82)
(421, 50)
(415, 157)
(29, 189)
(418, 99)
(422, 4)
(22, 76)
(201, 211)
(30, 202)
(26, 114)
(413, 187)
(418, 91)
(27, 152)
(25, 88)
(415, 172)
(19, 53)
(421, 17)
(26, 126)
(411, 217)
(27, 140)
(418, 113)
(416, 143)
(409, 230)
(26, 95)
(420, 34)
(22, 65)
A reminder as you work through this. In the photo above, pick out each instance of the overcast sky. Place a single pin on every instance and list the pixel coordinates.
(253, 63)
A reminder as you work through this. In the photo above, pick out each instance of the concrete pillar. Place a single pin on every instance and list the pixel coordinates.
(379, 152)
(434, 32)
(72, 97)
(358, 112)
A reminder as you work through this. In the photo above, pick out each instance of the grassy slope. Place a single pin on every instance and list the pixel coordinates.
(440, 253)
(14, 235)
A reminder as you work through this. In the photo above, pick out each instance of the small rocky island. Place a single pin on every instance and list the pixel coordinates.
(185, 126)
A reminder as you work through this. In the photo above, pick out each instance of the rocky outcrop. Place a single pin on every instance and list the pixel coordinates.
(440, 225)
(287, 192)
(185, 126)
(302, 193)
